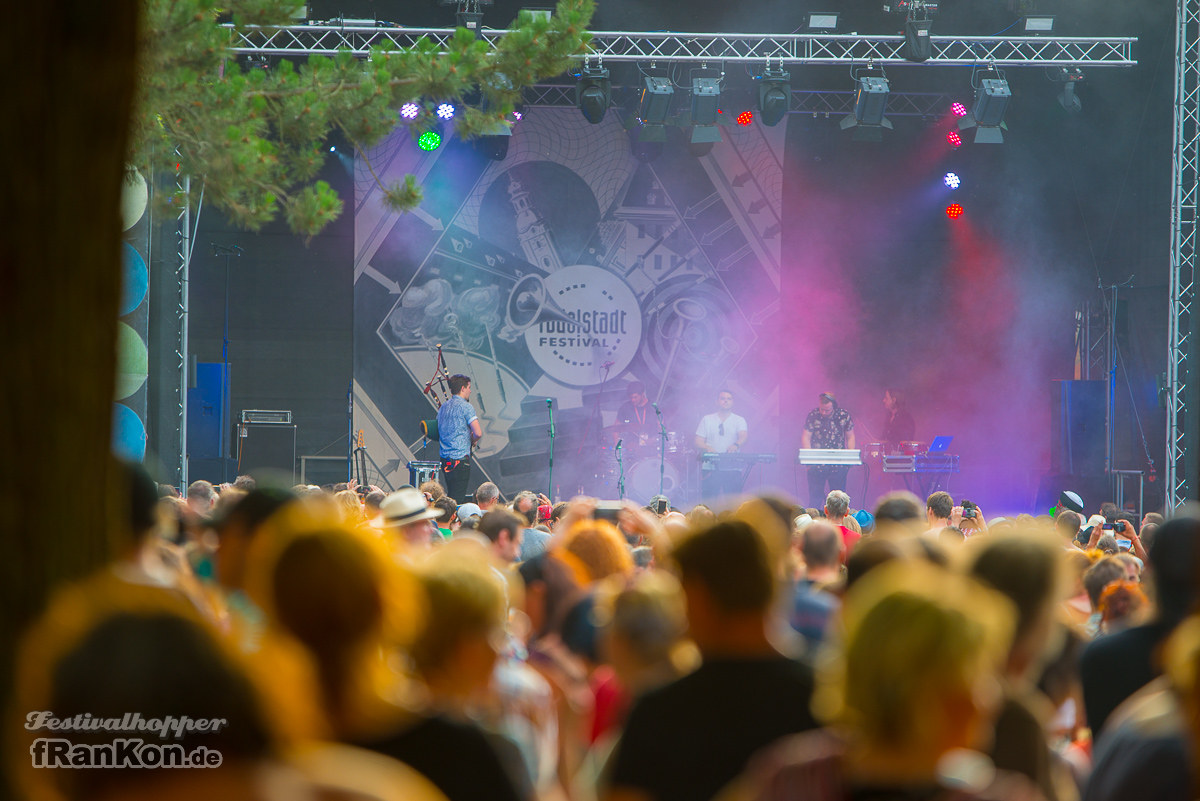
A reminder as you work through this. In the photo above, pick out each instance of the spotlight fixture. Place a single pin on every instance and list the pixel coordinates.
(822, 21)
(706, 99)
(958, 109)
(917, 44)
(774, 95)
(410, 110)
(991, 101)
(593, 93)
(654, 107)
(445, 111)
(954, 139)
(954, 211)
(870, 101)
(1069, 76)
(1039, 24)
(745, 118)
(952, 180)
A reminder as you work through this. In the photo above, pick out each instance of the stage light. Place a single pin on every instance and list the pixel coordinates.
(1036, 24)
(333, 148)
(951, 180)
(870, 101)
(774, 94)
(959, 109)
(593, 93)
(517, 116)
(1069, 76)
(445, 111)
(822, 21)
(430, 140)
(954, 211)
(745, 118)
(409, 111)
(706, 99)
(987, 115)
(954, 139)
(654, 107)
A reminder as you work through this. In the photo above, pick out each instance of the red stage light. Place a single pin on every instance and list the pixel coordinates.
(954, 139)
(745, 118)
(954, 211)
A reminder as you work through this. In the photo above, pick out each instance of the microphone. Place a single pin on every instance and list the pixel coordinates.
(607, 365)
(549, 401)
(619, 443)
(656, 409)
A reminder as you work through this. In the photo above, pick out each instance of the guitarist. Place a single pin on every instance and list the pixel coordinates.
(458, 430)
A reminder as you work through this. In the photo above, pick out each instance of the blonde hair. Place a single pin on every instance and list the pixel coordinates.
(464, 599)
(601, 547)
(913, 631)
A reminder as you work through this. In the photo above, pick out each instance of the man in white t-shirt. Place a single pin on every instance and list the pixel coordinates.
(721, 432)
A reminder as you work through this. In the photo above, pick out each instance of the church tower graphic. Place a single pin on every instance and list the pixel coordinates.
(532, 232)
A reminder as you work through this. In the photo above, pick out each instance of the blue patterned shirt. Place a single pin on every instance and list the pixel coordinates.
(454, 420)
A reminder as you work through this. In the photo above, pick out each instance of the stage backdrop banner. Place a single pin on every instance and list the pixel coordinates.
(564, 272)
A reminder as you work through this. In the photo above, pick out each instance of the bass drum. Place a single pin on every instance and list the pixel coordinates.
(642, 481)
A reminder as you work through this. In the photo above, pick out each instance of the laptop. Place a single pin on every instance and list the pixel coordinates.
(939, 444)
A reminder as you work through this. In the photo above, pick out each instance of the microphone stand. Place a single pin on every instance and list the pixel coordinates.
(662, 449)
(620, 473)
(550, 480)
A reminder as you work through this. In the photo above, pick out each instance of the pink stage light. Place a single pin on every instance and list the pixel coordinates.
(959, 110)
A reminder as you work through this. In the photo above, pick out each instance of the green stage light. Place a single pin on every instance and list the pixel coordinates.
(430, 140)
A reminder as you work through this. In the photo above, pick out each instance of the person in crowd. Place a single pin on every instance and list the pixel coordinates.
(1115, 666)
(432, 490)
(407, 516)
(813, 604)
(201, 498)
(938, 508)
(1067, 524)
(1103, 572)
(447, 519)
(348, 603)
(1078, 607)
(908, 701)
(504, 531)
(487, 495)
(898, 514)
(837, 513)
(688, 739)
(1122, 604)
(1027, 569)
(600, 548)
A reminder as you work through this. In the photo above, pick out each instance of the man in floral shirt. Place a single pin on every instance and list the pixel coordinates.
(827, 426)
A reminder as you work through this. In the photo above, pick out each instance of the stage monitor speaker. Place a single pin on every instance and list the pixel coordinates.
(1077, 428)
(267, 449)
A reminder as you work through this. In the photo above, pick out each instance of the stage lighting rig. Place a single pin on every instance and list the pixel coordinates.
(653, 108)
(706, 104)
(774, 95)
(468, 14)
(987, 115)
(1068, 77)
(870, 102)
(593, 93)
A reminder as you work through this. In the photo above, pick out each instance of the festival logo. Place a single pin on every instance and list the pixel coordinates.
(589, 324)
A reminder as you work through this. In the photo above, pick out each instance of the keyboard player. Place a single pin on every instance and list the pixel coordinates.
(827, 426)
(721, 432)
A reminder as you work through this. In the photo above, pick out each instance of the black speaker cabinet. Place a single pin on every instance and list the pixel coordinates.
(268, 449)
(1077, 428)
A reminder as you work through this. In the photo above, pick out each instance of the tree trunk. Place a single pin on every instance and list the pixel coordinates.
(71, 71)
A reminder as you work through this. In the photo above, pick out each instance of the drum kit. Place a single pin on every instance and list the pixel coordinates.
(642, 465)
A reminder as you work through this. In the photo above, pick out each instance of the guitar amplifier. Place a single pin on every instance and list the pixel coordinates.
(266, 416)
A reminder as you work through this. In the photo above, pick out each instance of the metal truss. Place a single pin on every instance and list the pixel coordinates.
(803, 101)
(1181, 451)
(666, 47)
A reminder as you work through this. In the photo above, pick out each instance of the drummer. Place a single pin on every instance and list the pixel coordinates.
(637, 425)
(898, 425)
(721, 432)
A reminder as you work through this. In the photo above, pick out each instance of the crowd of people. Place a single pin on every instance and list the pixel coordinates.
(361, 644)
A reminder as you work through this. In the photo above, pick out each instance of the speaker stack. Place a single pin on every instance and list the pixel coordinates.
(267, 444)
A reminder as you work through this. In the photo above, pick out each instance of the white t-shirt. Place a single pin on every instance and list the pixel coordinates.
(719, 434)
